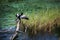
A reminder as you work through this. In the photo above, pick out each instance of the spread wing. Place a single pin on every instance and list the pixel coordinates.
(24, 17)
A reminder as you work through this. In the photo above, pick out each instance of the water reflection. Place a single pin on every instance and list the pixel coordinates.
(24, 36)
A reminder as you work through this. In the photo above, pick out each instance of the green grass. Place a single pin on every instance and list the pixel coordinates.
(44, 20)
(42, 14)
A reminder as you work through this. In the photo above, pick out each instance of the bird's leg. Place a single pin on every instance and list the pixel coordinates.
(17, 28)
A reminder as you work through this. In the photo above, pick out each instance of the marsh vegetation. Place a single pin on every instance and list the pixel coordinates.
(44, 16)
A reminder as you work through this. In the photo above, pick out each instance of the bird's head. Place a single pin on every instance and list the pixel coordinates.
(22, 16)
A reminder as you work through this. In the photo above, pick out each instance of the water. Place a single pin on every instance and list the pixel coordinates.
(25, 36)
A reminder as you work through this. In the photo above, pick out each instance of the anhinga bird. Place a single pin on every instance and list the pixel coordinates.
(18, 26)
(19, 17)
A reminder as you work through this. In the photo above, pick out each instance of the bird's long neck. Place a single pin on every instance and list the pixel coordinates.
(18, 25)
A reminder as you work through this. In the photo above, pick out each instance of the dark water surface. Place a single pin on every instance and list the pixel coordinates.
(25, 36)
